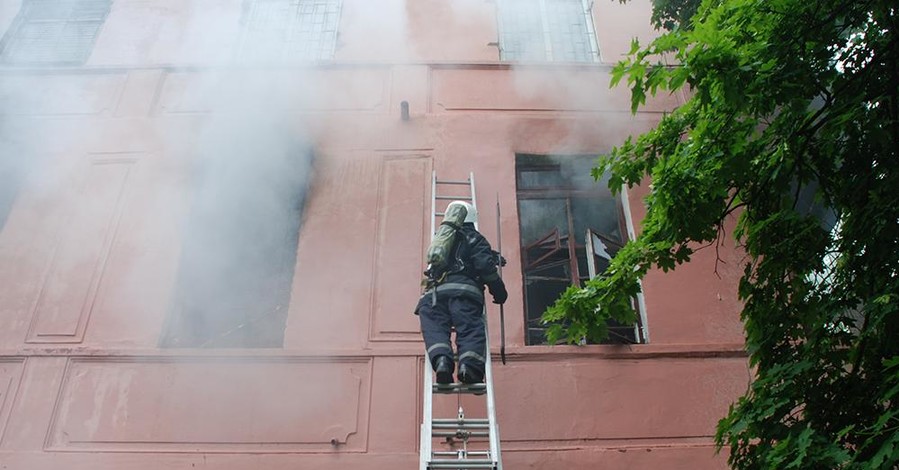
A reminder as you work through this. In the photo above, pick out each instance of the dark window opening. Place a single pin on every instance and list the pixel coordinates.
(54, 31)
(239, 253)
(571, 226)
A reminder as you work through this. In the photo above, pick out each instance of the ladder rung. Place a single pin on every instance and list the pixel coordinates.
(454, 198)
(453, 430)
(477, 389)
(455, 434)
(446, 423)
(461, 463)
(475, 428)
(452, 181)
(450, 453)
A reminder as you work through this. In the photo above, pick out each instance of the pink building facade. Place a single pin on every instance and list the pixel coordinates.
(213, 219)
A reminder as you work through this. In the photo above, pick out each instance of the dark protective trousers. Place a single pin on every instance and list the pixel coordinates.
(468, 318)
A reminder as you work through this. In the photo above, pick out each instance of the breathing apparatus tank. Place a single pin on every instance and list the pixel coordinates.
(441, 247)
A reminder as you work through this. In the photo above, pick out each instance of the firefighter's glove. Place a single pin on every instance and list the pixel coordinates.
(498, 291)
(500, 259)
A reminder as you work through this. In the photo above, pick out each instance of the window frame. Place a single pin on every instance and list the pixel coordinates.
(285, 55)
(24, 17)
(547, 33)
(569, 243)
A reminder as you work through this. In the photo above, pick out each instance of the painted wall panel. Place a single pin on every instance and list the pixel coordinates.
(337, 89)
(10, 376)
(403, 208)
(396, 404)
(331, 297)
(59, 94)
(666, 399)
(210, 405)
(70, 285)
(613, 19)
(136, 293)
(138, 93)
(31, 407)
(536, 88)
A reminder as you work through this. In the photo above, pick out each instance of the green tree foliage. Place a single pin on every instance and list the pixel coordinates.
(669, 14)
(787, 98)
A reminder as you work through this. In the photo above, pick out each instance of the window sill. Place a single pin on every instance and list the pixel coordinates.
(622, 351)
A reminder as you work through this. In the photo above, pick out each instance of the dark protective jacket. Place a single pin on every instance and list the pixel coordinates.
(473, 266)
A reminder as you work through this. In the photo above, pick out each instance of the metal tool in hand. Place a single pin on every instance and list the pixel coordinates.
(500, 263)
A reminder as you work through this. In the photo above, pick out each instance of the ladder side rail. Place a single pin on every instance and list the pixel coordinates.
(427, 417)
(488, 364)
(474, 198)
(433, 202)
(493, 429)
(424, 451)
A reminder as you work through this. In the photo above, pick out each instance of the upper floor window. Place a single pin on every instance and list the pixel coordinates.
(54, 31)
(547, 30)
(571, 226)
(290, 30)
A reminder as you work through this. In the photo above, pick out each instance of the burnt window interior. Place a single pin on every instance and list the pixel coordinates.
(54, 31)
(289, 30)
(547, 30)
(570, 226)
(239, 252)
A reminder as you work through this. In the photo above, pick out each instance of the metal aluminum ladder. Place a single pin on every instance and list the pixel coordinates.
(459, 428)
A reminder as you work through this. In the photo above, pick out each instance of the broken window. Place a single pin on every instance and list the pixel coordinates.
(290, 30)
(54, 31)
(547, 30)
(239, 251)
(571, 226)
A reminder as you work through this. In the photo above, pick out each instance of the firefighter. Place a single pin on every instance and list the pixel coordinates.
(456, 299)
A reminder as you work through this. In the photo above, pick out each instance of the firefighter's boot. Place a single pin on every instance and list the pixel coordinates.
(443, 367)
